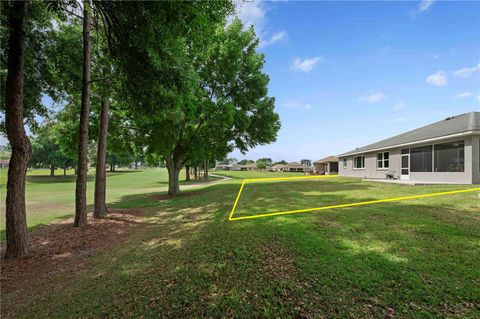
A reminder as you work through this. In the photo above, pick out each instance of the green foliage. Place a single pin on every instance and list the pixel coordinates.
(306, 162)
(266, 160)
(46, 151)
(245, 162)
(261, 165)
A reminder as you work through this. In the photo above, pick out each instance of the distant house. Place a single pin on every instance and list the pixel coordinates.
(290, 167)
(4, 163)
(326, 166)
(227, 167)
(447, 151)
(249, 167)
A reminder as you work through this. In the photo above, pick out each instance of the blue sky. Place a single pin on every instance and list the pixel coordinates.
(345, 74)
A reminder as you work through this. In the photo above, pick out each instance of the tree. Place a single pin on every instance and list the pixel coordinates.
(16, 220)
(161, 83)
(245, 162)
(282, 162)
(261, 165)
(47, 152)
(306, 162)
(266, 160)
(82, 161)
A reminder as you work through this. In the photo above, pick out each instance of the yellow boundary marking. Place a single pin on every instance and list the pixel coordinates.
(385, 200)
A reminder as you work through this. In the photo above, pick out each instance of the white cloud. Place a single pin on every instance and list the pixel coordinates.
(466, 72)
(306, 65)
(463, 95)
(373, 98)
(251, 13)
(399, 106)
(437, 79)
(277, 37)
(255, 13)
(424, 5)
(400, 119)
(296, 105)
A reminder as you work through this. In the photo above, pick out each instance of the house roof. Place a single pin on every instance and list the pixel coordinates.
(254, 165)
(294, 165)
(326, 160)
(463, 123)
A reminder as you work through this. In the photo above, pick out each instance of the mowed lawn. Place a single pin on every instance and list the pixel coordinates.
(49, 198)
(410, 259)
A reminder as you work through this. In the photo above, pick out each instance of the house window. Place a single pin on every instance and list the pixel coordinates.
(359, 162)
(383, 160)
(421, 159)
(344, 163)
(450, 157)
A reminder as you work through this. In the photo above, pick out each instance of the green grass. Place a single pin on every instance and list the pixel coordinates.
(49, 198)
(254, 174)
(410, 259)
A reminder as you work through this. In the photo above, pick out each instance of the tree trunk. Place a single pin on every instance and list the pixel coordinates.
(64, 171)
(187, 173)
(136, 165)
(81, 186)
(205, 174)
(173, 180)
(100, 207)
(16, 219)
(52, 170)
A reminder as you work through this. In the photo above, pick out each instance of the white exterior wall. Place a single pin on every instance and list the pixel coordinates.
(371, 170)
(470, 175)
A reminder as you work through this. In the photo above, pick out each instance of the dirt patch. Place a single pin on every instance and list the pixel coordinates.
(167, 197)
(59, 247)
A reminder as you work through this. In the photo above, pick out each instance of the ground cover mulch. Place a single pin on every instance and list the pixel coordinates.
(59, 247)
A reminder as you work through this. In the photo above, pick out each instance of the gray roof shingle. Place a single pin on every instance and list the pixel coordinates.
(452, 125)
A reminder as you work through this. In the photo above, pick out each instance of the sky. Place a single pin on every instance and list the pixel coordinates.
(347, 74)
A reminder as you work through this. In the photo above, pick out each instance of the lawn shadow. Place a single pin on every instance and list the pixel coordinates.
(187, 260)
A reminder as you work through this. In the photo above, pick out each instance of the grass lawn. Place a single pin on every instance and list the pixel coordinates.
(410, 259)
(49, 198)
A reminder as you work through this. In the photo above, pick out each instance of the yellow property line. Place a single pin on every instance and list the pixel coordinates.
(386, 200)
(271, 179)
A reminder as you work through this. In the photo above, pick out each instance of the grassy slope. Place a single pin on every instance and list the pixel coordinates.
(417, 258)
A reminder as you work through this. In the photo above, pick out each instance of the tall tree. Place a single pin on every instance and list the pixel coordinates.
(16, 220)
(82, 162)
(100, 209)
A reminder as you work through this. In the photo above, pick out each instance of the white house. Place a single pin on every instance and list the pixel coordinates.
(443, 152)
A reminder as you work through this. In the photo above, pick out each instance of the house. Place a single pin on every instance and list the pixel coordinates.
(249, 167)
(290, 167)
(4, 163)
(326, 166)
(447, 151)
(227, 167)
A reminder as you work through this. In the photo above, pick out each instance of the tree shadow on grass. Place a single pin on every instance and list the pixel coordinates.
(188, 260)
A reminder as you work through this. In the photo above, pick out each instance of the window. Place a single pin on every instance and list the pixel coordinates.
(450, 157)
(421, 159)
(359, 162)
(382, 160)
(344, 163)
